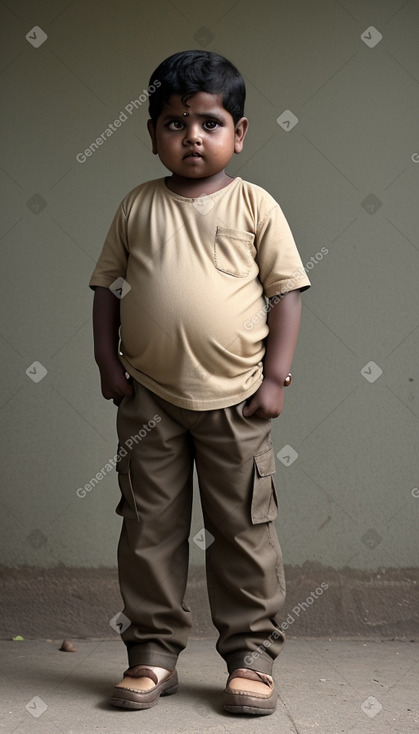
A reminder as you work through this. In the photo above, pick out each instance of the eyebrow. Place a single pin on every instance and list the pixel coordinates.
(205, 115)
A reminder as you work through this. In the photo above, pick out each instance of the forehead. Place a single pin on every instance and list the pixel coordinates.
(199, 103)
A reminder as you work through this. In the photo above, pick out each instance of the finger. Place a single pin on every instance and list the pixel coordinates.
(259, 411)
(128, 385)
(119, 398)
(248, 410)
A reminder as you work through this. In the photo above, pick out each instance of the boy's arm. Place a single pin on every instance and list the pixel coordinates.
(106, 324)
(284, 324)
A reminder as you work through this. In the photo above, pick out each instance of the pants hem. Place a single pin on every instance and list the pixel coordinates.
(151, 655)
(251, 660)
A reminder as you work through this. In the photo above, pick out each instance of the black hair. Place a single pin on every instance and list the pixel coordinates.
(189, 72)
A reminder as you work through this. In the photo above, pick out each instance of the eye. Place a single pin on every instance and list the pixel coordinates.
(211, 124)
(175, 125)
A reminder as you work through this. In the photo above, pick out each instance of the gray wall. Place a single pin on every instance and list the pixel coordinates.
(347, 176)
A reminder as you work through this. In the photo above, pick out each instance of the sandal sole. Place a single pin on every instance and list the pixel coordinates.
(133, 705)
(254, 710)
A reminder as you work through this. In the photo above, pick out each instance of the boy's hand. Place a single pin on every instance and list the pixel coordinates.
(267, 402)
(114, 383)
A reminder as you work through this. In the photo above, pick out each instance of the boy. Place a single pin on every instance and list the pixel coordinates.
(198, 375)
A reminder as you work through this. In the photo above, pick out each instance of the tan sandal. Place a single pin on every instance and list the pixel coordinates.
(131, 698)
(248, 702)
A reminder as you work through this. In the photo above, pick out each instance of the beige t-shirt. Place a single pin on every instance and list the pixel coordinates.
(198, 272)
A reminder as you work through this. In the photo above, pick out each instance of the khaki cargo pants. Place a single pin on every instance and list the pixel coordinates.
(158, 444)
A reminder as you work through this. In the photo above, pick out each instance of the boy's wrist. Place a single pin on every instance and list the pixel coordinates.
(280, 380)
(104, 357)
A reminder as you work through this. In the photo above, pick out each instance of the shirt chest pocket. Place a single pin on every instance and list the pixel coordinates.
(233, 251)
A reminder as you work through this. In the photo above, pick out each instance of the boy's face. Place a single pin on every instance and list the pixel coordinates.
(201, 143)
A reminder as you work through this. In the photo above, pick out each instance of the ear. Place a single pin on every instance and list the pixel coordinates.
(152, 132)
(240, 131)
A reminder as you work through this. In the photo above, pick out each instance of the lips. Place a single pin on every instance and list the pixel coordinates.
(192, 154)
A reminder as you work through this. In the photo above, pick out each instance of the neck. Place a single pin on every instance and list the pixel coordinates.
(194, 187)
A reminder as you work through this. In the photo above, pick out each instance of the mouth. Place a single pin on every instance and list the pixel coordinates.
(192, 155)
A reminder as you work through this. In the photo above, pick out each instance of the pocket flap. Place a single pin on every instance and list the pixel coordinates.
(127, 506)
(265, 463)
(122, 466)
(264, 500)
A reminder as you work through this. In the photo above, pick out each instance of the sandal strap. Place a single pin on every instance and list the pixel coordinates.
(141, 671)
(251, 675)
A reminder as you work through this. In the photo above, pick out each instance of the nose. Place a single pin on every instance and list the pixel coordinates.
(192, 134)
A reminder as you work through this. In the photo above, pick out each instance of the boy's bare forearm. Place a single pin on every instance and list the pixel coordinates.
(284, 324)
(106, 322)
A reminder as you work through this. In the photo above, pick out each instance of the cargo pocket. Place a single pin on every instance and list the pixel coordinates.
(233, 251)
(127, 506)
(264, 500)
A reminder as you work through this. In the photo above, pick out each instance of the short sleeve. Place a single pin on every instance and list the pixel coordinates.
(112, 262)
(280, 267)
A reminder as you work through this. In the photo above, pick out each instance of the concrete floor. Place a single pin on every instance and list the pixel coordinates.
(325, 686)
